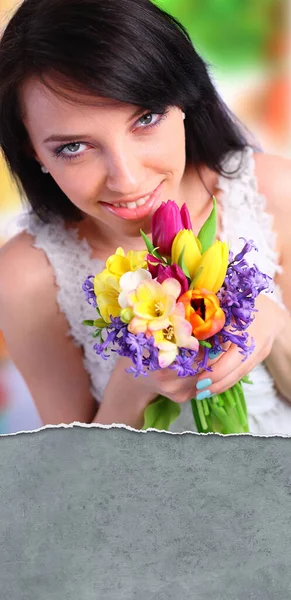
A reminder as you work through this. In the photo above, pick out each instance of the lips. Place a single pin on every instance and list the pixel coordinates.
(135, 210)
(136, 204)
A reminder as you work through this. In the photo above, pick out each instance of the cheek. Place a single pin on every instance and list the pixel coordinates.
(175, 150)
(169, 155)
(80, 188)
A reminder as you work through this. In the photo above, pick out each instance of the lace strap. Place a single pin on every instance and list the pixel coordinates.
(71, 264)
(244, 215)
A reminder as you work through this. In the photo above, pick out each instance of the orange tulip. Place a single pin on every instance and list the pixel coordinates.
(202, 310)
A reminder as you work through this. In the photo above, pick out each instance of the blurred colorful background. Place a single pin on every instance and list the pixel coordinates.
(248, 50)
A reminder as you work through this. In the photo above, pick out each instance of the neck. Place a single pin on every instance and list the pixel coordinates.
(197, 189)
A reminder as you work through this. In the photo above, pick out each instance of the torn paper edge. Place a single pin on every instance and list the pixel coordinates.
(129, 428)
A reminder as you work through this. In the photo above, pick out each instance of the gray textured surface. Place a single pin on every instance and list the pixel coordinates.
(112, 514)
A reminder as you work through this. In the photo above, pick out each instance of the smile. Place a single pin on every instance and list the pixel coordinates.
(129, 205)
(139, 209)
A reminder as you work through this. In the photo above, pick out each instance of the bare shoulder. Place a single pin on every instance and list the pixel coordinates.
(37, 334)
(19, 257)
(274, 180)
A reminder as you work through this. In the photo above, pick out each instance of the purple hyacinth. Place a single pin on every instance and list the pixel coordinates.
(142, 351)
(88, 289)
(184, 363)
(242, 284)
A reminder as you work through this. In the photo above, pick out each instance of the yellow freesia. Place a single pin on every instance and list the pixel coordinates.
(152, 303)
(120, 263)
(106, 283)
(186, 238)
(213, 265)
(107, 290)
(177, 334)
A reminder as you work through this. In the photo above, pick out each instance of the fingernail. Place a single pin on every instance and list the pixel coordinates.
(203, 383)
(202, 395)
(214, 353)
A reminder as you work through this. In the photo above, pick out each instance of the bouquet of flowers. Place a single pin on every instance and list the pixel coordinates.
(174, 303)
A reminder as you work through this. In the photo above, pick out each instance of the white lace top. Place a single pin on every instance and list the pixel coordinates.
(243, 215)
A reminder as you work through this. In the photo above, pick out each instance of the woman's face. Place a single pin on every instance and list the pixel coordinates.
(108, 154)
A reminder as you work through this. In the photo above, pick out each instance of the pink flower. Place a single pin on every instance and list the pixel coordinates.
(167, 221)
(153, 264)
(173, 271)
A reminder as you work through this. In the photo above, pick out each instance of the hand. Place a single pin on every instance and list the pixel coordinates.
(126, 397)
(228, 368)
(166, 382)
(124, 387)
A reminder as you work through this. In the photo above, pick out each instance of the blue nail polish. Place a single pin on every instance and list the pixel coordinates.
(214, 354)
(203, 383)
(204, 394)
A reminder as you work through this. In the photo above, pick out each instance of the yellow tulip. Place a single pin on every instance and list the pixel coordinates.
(214, 263)
(192, 255)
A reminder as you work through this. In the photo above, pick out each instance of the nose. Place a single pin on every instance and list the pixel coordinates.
(124, 171)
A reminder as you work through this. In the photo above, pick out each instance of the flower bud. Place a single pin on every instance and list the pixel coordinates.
(213, 265)
(192, 254)
(167, 221)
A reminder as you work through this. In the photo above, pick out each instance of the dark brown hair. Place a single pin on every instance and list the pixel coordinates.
(127, 50)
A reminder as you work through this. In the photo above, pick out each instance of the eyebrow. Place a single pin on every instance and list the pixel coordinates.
(59, 137)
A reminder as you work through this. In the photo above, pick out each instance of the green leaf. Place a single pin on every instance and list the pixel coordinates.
(147, 242)
(192, 285)
(88, 322)
(161, 413)
(182, 265)
(150, 247)
(96, 333)
(207, 232)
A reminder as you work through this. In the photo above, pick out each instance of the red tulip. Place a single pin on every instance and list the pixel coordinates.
(167, 221)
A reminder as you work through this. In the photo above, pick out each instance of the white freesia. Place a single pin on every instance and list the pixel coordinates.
(129, 282)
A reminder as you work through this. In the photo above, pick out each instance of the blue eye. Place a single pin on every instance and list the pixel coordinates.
(73, 148)
(151, 119)
(148, 118)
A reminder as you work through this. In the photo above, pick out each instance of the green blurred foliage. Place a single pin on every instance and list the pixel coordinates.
(231, 34)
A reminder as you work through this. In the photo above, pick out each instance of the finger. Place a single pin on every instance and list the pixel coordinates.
(224, 379)
(243, 369)
(232, 378)
(227, 370)
(214, 357)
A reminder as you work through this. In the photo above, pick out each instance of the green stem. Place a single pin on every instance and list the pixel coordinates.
(242, 396)
(201, 415)
(229, 398)
(238, 397)
(196, 415)
(224, 413)
(206, 407)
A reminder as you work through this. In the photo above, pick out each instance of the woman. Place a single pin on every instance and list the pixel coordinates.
(105, 103)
